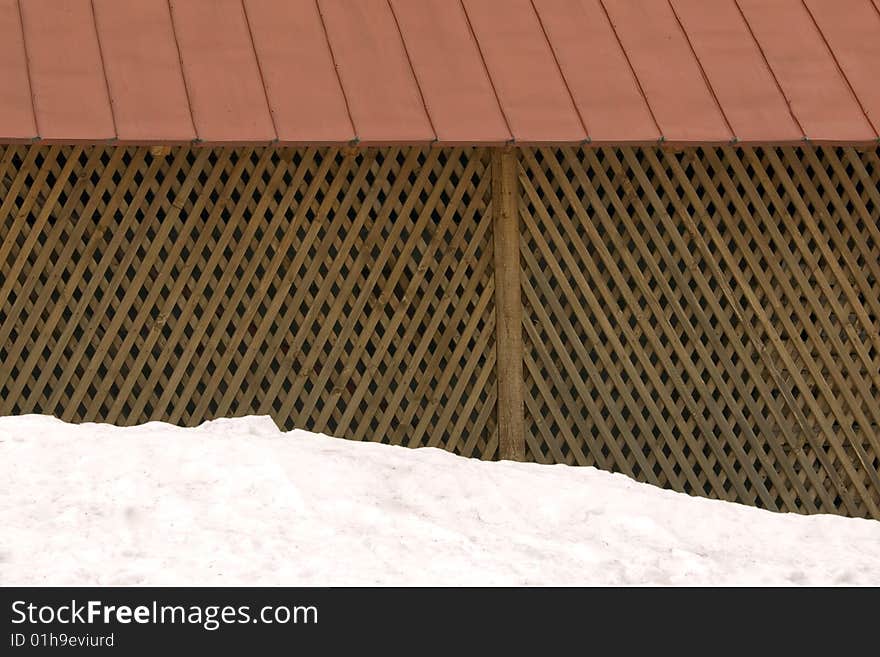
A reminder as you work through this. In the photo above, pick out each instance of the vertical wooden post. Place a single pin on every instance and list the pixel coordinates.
(508, 304)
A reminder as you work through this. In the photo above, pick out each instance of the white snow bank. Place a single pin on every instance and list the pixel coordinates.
(237, 502)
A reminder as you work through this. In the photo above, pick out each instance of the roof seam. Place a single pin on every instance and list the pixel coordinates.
(877, 9)
(703, 72)
(247, 23)
(192, 118)
(632, 69)
(104, 69)
(354, 129)
(27, 66)
(840, 69)
(412, 71)
(559, 68)
(467, 19)
(772, 72)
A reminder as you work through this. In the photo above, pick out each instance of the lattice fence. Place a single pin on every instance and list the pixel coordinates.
(349, 293)
(707, 320)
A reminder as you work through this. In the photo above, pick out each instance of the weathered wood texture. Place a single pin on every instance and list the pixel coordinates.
(707, 320)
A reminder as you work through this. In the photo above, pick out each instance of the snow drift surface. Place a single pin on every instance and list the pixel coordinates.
(237, 502)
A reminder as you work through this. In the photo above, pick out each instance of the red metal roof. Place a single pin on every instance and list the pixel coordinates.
(439, 71)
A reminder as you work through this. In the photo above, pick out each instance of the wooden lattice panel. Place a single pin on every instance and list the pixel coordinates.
(707, 320)
(344, 292)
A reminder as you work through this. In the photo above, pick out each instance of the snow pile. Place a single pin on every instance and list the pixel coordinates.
(237, 502)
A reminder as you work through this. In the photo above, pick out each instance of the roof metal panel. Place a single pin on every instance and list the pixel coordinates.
(670, 75)
(852, 30)
(302, 86)
(226, 92)
(67, 78)
(142, 64)
(383, 96)
(819, 96)
(602, 83)
(447, 71)
(533, 94)
(16, 107)
(735, 68)
(455, 85)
